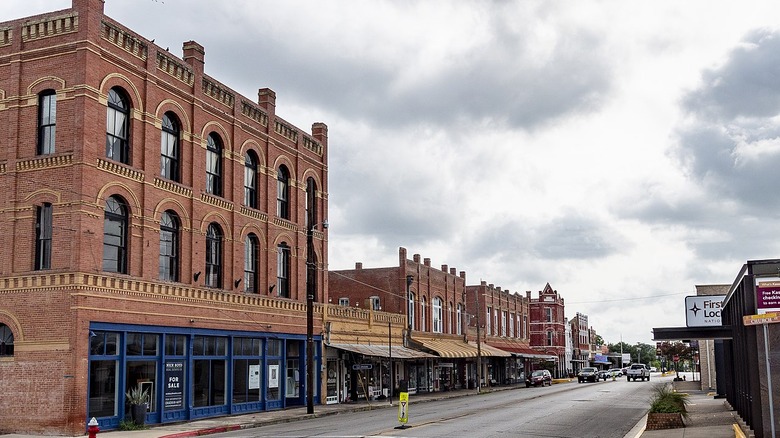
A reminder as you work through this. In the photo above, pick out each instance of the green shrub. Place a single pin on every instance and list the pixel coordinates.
(667, 400)
(128, 424)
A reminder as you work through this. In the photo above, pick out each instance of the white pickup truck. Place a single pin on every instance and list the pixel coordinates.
(638, 371)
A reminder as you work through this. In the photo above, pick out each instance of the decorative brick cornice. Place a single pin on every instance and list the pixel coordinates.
(6, 36)
(50, 26)
(172, 187)
(312, 145)
(279, 222)
(253, 112)
(218, 92)
(175, 69)
(43, 162)
(286, 131)
(216, 202)
(124, 40)
(257, 215)
(120, 170)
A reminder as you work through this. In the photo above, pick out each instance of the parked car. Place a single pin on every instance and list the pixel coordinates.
(653, 369)
(615, 372)
(603, 374)
(588, 374)
(539, 378)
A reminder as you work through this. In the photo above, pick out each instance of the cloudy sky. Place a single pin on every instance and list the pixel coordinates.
(620, 150)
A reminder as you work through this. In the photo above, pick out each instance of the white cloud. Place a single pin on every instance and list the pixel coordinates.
(621, 151)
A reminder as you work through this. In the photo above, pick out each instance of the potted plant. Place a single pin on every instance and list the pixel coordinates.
(138, 398)
(668, 408)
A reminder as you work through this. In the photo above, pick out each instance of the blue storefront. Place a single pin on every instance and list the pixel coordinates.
(194, 373)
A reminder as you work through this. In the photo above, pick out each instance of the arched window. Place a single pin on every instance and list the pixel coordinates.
(459, 329)
(437, 315)
(283, 193)
(214, 165)
(422, 314)
(118, 126)
(169, 147)
(550, 338)
(115, 236)
(251, 246)
(213, 256)
(311, 202)
(250, 179)
(169, 246)
(43, 233)
(6, 341)
(411, 310)
(283, 270)
(47, 121)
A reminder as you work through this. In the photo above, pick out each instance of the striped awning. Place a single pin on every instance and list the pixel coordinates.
(398, 351)
(455, 349)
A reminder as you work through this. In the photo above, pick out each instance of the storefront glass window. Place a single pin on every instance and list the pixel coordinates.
(102, 388)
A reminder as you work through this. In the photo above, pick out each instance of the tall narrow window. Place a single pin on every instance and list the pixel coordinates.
(251, 244)
(422, 314)
(411, 310)
(169, 246)
(503, 323)
(214, 165)
(117, 126)
(437, 315)
(459, 329)
(548, 314)
(550, 338)
(169, 147)
(487, 322)
(47, 121)
(213, 256)
(250, 179)
(115, 236)
(283, 270)
(283, 193)
(43, 231)
(311, 202)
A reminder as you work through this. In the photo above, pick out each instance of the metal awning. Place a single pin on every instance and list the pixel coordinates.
(522, 349)
(487, 350)
(449, 348)
(399, 352)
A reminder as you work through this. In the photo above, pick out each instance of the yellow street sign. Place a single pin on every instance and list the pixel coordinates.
(403, 407)
(765, 318)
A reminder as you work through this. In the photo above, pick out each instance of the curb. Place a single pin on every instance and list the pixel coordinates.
(209, 431)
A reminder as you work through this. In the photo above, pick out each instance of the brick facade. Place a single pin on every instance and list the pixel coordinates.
(548, 326)
(81, 54)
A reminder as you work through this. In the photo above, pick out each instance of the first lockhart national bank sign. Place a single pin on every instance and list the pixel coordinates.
(703, 310)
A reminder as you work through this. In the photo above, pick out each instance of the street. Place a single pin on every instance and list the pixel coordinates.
(603, 409)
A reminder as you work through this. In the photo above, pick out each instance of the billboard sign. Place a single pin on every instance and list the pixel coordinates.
(703, 310)
(767, 295)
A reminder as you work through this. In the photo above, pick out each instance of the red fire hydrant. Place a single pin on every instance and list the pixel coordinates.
(93, 428)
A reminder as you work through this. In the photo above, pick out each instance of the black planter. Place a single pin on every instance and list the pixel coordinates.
(138, 414)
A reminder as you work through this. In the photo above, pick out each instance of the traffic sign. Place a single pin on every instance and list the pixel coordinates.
(764, 318)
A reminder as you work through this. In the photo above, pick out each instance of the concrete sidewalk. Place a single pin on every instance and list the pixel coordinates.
(708, 417)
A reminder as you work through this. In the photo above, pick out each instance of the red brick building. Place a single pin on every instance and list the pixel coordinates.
(581, 342)
(434, 302)
(548, 326)
(158, 227)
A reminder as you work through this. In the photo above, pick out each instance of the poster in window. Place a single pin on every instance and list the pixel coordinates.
(254, 376)
(273, 376)
(174, 385)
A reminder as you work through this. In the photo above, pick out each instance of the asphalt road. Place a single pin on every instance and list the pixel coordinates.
(577, 410)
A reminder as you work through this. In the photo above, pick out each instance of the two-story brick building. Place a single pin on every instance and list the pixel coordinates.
(160, 232)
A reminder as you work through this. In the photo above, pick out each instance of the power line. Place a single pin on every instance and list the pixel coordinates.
(625, 299)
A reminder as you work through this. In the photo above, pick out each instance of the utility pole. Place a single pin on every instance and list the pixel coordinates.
(311, 289)
(479, 344)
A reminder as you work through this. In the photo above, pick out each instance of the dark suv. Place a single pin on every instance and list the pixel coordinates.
(539, 378)
(588, 374)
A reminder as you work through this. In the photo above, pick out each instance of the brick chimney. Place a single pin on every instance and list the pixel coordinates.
(194, 55)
